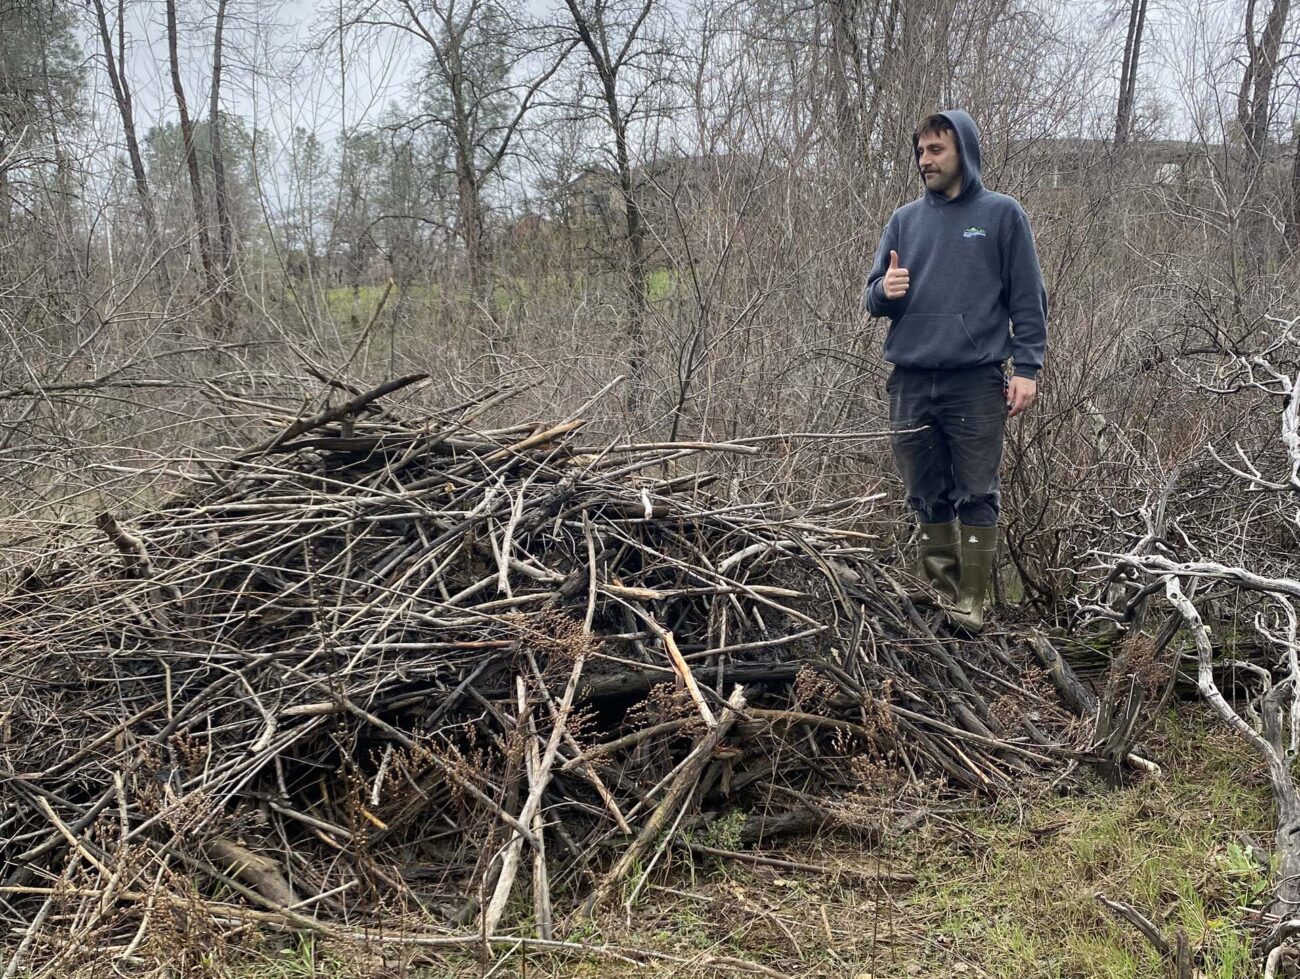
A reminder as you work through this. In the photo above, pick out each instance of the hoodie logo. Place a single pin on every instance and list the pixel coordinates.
(974, 233)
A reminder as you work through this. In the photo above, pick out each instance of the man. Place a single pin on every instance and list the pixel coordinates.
(958, 277)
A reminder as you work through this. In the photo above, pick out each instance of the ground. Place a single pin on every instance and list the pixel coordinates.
(1003, 890)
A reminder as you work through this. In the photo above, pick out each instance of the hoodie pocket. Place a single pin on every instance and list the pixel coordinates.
(934, 340)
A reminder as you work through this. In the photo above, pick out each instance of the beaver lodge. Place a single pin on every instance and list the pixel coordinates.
(449, 684)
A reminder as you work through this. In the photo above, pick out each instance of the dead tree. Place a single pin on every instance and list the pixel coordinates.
(1268, 720)
(474, 98)
(479, 105)
(614, 41)
(845, 74)
(1293, 219)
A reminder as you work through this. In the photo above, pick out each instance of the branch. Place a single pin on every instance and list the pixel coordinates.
(1137, 919)
(1156, 564)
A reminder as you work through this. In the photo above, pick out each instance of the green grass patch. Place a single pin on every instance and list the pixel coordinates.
(660, 284)
(303, 958)
(508, 293)
(342, 303)
(1018, 897)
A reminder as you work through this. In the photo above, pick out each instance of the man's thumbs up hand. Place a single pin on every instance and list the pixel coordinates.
(896, 280)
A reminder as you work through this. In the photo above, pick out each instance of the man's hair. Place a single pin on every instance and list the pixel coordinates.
(936, 125)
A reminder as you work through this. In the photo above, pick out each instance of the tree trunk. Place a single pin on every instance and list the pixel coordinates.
(1286, 795)
(1269, 46)
(846, 75)
(470, 218)
(1254, 98)
(226, 235)
(6, 209)
(1248, 73)
(1294, 230)
(1128, 71)
(122, 96)
(638, 301)
(192, 165)
(66, 272)
(469, 207)
(875, 84)
(924, 62)
(1122, 109)
(469, 204)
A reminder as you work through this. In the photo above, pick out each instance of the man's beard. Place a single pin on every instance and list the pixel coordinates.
(942, 185)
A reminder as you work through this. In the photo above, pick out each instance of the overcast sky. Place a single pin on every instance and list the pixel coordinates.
(304, 86)
(290, 85)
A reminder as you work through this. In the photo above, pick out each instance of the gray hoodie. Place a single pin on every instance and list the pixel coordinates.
(976, 292)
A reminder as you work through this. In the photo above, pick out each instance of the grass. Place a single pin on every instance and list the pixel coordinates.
(507, 293)
(660, 284)
(299, 961)
(339, 301)
(1002, 890)
(1019, 899)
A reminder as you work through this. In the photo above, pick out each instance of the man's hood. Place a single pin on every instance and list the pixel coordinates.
(968, 145)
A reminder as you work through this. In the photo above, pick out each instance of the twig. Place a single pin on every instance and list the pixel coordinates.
(1126, 912)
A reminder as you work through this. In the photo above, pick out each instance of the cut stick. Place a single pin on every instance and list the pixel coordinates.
(679, 664)
(532, 805)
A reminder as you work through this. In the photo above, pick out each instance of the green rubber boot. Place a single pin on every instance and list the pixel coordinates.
(979, 546)
(938, 559)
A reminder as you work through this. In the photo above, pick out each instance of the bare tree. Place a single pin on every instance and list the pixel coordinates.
(192, 165)
(226, 236)
(616, 40)
(41, 86)
(1293, 219)
(1137, 17)
(1254, 97)
(846, 72)
(115, 64)
(472, 93)
(1266, 713)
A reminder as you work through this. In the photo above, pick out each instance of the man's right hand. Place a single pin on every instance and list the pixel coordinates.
(896, 280)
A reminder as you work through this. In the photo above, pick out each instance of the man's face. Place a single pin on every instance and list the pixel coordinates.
(940, 163)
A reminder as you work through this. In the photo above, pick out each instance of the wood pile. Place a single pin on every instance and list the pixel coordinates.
(382, 665)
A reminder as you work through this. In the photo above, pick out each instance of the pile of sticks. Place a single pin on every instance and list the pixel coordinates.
(381, 665)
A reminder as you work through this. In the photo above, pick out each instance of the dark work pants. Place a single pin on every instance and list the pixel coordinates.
(950, 466)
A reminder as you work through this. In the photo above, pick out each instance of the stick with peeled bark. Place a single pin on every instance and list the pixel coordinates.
(531, 807)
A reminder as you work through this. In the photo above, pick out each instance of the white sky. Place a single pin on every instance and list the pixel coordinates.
(286, 89)
(303, 88)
